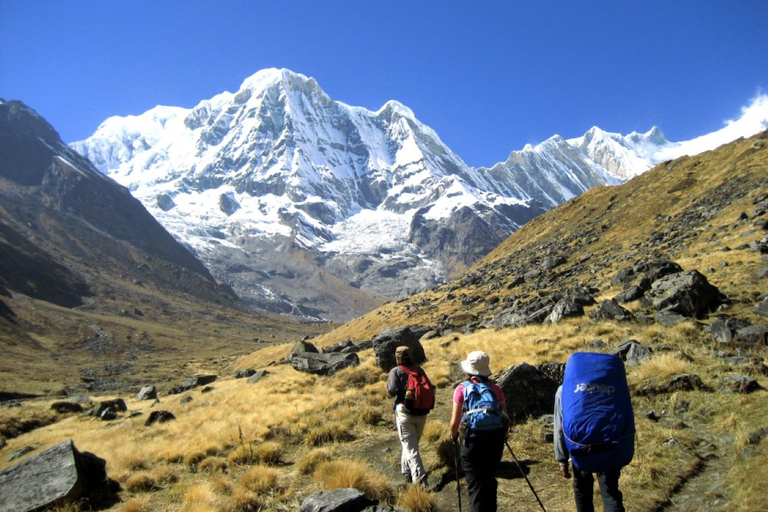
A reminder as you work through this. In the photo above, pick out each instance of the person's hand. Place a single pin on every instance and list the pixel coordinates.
(564, 471)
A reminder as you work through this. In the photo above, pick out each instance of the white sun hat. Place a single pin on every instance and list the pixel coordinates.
(477, 363)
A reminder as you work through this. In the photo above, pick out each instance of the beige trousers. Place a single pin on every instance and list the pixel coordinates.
(409, 429)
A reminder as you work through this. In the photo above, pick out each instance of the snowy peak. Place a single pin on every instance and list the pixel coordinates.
(623, 157)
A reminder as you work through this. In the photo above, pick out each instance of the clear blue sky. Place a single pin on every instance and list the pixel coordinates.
(488, 76)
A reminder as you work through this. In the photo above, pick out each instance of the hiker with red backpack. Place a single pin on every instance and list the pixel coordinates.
(480, 416)
(594, 427)
(414, 398)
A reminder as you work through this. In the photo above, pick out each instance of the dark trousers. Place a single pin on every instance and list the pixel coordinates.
(583, 484)
(480, 460)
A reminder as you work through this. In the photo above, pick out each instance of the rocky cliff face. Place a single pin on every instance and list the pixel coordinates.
(61, 216)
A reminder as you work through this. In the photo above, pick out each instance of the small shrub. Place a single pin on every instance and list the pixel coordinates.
(244, 501)
(329, 432)
(268, 452)
(309, 461)
(243, 454)
(165, 475)
(417, 499)
(221, 486)
(213, 465)
(194, 458)
(369, 415)
(260, 479)
(141, 482)
(341, 474)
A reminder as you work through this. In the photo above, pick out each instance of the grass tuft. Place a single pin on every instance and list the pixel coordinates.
(260, 480)
(309, 461)
(339, 474)
(416, 499)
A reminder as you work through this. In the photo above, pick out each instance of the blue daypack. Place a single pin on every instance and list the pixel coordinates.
(481, 410)
(598, 422)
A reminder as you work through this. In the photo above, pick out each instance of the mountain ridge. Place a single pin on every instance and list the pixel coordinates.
(374, 198)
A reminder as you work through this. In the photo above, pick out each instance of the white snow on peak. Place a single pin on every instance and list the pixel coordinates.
(753, 120)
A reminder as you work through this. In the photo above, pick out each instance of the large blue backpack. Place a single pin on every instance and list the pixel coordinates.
(598, 422)
(481, 411)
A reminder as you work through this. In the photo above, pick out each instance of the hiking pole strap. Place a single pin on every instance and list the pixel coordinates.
(525, 476)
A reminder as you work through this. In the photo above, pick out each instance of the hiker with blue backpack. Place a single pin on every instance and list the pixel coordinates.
(480, 416)
(594, 428)
(414, 398)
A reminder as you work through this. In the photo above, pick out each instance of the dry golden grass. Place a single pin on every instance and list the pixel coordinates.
(334, 431)
(141, 482)
(339, 474)
(214, 465)
(658, 369)
(245, 501)
(260, 480)
(137, 504)
(308, 462)
(417, 499)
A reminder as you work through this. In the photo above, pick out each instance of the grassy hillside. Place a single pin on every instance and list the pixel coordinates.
(265, 446)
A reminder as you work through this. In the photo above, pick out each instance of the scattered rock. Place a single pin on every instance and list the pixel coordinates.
(739, 384)
(243, 374)
(632, 352)
(56, 476)
(257, 376)
(65, 407)
(185, 400)
(159, 417)
(724, 328)
(321, 364)
(148, 392)
(116, 405)
(564, 309)
(611, 310)
(191, 383)
(762, 308)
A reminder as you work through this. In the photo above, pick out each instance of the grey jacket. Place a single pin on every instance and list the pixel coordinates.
(561, 451)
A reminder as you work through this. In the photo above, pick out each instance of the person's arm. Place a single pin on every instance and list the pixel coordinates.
(458, 405)
(393, 382)
(561, 450)
(455, 421)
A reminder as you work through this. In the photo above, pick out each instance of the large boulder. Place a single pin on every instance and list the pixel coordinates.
(337, 500)
(385, 343)
(609, 309)
(529, 392)
(54, 477)
(321, 364)
(686, 293)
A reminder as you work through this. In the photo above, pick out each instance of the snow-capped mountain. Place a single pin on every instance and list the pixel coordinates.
(305, 204)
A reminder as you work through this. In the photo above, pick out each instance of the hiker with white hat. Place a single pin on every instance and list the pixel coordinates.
(414, 398)
(480, 416)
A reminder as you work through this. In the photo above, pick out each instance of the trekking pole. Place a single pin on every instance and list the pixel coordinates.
(456, 465)
(524, 475)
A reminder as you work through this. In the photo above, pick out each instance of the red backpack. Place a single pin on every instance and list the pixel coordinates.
(419, 392)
